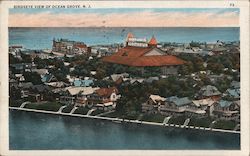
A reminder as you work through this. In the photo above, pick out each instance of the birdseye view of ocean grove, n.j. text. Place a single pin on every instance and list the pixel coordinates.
(124, 79)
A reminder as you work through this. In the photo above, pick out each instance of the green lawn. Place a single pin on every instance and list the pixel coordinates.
(121, 116)
(113, 115)
(179, 120)
(200, 122)
(153, 118)
(81, 110)
(131, 116)
(224, 124)
(15, 103)
(68, 109)
(49, 106)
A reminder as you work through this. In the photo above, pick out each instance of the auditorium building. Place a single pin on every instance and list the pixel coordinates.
(141, 53)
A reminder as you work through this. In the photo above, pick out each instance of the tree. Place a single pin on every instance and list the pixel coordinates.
(26, 58)
(15, 93)
(13, 60)
(40, 63)
(194, 44)
(32, 77)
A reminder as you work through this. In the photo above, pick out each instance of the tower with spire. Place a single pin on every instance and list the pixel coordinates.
(129, 36)
(152, 42)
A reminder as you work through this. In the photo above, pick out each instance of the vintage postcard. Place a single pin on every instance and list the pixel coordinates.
(122, 78)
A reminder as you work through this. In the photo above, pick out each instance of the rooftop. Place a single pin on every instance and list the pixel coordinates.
(140, 57)
(106, 92)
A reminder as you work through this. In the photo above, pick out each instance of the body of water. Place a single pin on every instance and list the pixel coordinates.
(36, 131)
(41, 38)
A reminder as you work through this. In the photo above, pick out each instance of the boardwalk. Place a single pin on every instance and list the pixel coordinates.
(90, 111)
(23, 104)
(165, 121)
(60, 110)
(212, 124)
(124, 120)
(186, 122)
(73, 110)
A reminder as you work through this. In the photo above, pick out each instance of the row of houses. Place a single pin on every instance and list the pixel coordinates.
(209, 101)
(176, 106)
(91, 97)
(87, 96)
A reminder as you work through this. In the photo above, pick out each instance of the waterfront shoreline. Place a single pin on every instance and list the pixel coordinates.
(125, 120)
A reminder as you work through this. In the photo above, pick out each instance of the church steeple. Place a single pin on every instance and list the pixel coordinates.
(152, 42)
(130, 35)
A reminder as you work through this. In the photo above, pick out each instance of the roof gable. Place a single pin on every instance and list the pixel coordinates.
(154, 52)
(132, 52)
(179, 101)
(223, 103)
(152, 41)
(106, 92)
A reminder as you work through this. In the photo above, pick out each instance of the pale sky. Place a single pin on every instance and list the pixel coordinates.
(125, 17)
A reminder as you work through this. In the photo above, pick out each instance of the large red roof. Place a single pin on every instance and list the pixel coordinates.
(134, 56)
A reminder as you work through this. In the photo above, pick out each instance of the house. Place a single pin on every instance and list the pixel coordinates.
(151, 79)
(69, 94)
(76, 95)
(136, 80)
(219, 50)
(227, 110)
(152, 104)
(25, 85)
(215, 78)
(205, 105)
(140, 54)
(82, 99)
(58, 84)
(175, 106)
(108, 94)
(34, 97)
(235, 84)
(13, 82)
(47, 78)
(233, 94)
(116, 77)
(43, 55)
(81, 48)
(19, 77)
(209, 92)
(40, 71)
(16, 51)
(104, 95)
(21, 67)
